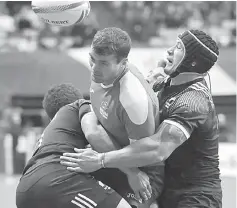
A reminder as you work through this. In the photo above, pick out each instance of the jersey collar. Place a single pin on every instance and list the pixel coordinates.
(125, 70)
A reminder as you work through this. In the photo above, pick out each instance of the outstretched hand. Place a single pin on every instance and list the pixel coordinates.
(83, 160)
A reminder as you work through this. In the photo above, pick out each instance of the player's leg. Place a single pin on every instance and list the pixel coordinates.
(49, 187)
(29, 192)
(82, 190)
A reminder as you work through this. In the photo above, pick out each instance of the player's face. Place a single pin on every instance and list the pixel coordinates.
(174, 57)
(104, 68)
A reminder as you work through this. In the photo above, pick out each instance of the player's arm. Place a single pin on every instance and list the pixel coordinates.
(102, 141)
(148, 150)
(158, 147)
(96, 135)
(94, 132)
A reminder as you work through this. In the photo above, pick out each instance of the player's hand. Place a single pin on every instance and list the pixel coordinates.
(157, 73)
(83, 161)
(140, 184)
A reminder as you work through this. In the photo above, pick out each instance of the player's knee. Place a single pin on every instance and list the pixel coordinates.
(123, 204)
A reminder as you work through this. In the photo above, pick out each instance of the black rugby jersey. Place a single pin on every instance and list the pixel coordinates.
(195, 162)
(62, 135)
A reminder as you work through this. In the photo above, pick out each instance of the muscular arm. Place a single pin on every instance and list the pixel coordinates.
(176, 129)
(148, 150)
(99, 139)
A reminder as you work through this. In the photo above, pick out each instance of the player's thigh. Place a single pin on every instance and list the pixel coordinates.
(31, 191)
(84, 191)
(63, 189)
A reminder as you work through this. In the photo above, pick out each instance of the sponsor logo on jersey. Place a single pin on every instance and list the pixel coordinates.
(132, 196)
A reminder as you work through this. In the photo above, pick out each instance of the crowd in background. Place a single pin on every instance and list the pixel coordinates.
(146, 19)
(148, 23)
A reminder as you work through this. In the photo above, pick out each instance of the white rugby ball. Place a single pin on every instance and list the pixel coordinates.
(61, 13)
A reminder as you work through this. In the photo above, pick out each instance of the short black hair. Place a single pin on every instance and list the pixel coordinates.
(59, 96)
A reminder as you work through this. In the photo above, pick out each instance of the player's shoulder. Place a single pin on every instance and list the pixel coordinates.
(134, 98)
(195, 99)
(74, 105)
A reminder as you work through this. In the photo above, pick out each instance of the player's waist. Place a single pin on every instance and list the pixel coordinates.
(207, 179)
(61, 143)
(52, 161)
(192, 187)
(201, 170)
(58, 148)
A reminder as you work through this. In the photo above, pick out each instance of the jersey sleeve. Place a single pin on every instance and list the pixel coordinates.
(138, 117)
(188, 112)
(83, 106)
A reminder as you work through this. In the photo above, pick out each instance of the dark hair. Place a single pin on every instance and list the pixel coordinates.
(59, 96)
(110, 41)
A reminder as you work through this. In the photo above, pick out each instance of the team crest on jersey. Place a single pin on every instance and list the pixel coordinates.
(104, 109)
(91, 90)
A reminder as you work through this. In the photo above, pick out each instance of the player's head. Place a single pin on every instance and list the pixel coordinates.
(109, 51)
(194, 51)
(59, 96)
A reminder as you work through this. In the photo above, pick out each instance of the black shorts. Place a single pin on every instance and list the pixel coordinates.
(190, 199)
(117, 180)
(54, 187)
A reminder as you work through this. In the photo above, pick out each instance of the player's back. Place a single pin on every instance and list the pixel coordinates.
(46, 183)
(61, 135)
(193, 166)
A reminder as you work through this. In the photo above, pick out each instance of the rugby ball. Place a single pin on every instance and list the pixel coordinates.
(61, 13)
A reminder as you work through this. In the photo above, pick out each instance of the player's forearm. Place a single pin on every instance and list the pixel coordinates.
(147, 151)
(140, 153)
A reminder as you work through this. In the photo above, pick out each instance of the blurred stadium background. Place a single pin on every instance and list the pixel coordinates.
(35, 56)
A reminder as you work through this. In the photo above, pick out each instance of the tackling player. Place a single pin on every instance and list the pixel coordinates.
(46, 183)
(187, 137)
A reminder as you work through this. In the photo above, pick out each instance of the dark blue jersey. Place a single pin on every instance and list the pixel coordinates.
(195, 163)
(61, 135)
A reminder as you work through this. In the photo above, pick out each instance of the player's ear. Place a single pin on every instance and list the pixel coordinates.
(123, 62)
